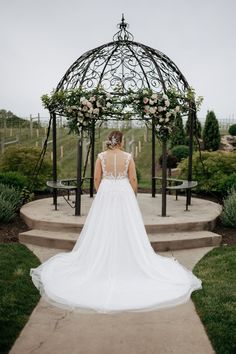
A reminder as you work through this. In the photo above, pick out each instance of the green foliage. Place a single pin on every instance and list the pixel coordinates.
(197, 128)
(211, 132)
(216, 171)
(13, 179)
(138, 173)
(10, 201)
(228, 216)
(215, 303)
(178, 136)
(23, 160)
(180, 152)
(18, 295)
(232, 129)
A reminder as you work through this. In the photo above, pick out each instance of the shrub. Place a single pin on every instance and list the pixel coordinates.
(10, 202)
(232, 129)
(219, 167)
(227, 183)
(23, 159)
(180, 152)
(211, 132)
(13, 179)
(228, 216)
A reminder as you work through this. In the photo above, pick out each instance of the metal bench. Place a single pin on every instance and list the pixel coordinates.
(183, 185)
(64, 185)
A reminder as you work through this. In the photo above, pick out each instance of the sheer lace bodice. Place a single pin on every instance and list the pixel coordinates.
(115, 163)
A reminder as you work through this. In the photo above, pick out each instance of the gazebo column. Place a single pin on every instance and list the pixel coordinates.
(92, 158)
(54, 156)
(192, 120)
(153, 159)
(79, 174)
(164, 176)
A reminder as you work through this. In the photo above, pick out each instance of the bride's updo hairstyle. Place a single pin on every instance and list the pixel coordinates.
(114, 139)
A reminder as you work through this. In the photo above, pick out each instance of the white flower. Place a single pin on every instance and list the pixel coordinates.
(82, 99)
(92, 99)
(96, 111)
(168, 114)
(160, 109)
(145, 92)
(161, 119)
(165, 97)
(74, 107)
(99, 104)
(177, 109)
(154, 96)
(167, 103)
(69, 110)
(84, 109)
(167, 120)
(145, 100)
(89, 104)
(108, 96)
(108, 104)
(146, 109)
(151, 102)
(152, 110)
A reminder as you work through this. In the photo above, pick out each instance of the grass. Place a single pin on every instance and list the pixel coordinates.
(216, 302)
(18, 295)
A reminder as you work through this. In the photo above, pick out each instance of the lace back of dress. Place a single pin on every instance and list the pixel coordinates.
(115, 164)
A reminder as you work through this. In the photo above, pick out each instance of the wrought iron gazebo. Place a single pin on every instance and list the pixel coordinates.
(129, 65)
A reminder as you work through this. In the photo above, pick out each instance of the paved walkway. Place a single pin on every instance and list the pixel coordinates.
(177, 330)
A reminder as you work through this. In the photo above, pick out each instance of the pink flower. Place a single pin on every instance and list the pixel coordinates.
(145, 100)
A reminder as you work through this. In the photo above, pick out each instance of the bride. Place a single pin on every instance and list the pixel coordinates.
(113, 266)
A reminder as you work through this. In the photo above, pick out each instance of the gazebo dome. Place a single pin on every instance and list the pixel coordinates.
(126, 64)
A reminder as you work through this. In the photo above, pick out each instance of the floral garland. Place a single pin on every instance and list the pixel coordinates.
(162, 108)
(82, 108)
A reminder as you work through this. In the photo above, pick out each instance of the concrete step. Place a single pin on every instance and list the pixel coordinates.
(159, 242)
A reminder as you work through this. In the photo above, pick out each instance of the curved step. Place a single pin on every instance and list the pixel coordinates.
(40, 215)
(159, 242)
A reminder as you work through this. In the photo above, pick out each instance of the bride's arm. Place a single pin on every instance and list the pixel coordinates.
(97, 173)
(132, 175)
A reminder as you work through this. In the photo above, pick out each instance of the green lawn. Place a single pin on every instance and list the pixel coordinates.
(18, 295)
(216, 303)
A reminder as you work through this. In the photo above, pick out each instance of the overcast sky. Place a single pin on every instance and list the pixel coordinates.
(40, 39)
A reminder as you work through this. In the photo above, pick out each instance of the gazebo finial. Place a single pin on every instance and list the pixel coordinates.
(123, 34)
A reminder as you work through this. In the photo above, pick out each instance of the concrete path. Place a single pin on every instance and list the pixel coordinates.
(177, 330)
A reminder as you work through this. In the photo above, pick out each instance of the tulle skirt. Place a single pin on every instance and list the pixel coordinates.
(113, 267)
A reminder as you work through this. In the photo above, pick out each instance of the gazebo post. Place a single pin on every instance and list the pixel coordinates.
(92, 137)
(192, 121)
(153, 159)
(164, 175)
(79, 174)
(54, 156)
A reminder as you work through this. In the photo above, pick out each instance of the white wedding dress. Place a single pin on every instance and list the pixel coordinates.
(113, 266)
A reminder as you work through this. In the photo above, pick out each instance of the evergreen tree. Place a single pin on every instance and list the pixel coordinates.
(211, 132)
(197, 128)
(178, 136)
